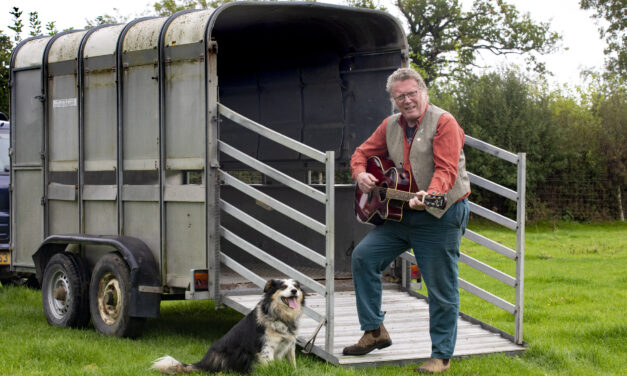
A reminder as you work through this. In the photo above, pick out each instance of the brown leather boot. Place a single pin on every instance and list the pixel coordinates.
(372, 339)
(434, 365)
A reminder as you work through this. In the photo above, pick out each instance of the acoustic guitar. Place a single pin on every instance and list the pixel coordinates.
(387, 200)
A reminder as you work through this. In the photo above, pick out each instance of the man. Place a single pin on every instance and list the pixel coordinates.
(426, 141)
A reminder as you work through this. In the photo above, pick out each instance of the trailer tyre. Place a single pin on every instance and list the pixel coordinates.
(64, 291)
(109, 298)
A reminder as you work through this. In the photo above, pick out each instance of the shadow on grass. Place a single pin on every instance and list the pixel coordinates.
(194, 320)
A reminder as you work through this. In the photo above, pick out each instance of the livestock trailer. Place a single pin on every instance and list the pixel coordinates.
(194, 156)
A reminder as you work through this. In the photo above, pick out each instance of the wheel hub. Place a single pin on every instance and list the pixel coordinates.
(60, 293)
(109, 299)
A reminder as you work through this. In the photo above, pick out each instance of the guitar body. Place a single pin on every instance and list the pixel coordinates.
(375, 207)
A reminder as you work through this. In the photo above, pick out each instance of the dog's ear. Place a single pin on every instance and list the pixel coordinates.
(268, 285)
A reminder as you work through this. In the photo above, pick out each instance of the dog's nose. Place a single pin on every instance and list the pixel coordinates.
(294, 291)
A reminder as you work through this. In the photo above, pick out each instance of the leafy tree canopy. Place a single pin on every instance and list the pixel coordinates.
(445, 39)
(615, 13)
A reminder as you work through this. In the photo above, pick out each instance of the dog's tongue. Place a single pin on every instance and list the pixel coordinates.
(293, 303)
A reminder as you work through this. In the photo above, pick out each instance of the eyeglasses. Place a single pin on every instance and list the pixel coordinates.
(411, 94)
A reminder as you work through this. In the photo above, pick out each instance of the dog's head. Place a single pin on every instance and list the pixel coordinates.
(285, 296)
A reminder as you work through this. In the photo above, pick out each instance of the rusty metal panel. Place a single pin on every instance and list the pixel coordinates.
(27, 118)
(185, 242)
(63, 217)
(101, 217)
(141, 118)
(28, 214)
(141, 220)
(63, 125)
(100, 127)
(185, 117)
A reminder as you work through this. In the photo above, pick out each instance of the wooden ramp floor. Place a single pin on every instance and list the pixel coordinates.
(407, 321)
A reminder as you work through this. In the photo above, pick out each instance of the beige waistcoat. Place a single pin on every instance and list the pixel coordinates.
(421, 156)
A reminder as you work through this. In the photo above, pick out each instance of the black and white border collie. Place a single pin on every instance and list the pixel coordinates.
(267, 333)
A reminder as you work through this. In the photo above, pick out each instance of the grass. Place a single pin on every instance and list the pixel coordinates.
(575, 322)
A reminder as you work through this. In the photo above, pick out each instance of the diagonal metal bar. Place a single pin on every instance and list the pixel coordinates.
(487, 269)
(273, 173)
(493, 216)
(273, 234)
(491, 186)
(491, 149)
(270, 134)
(491, 244)
(273, 203)
(272, 261)
(488, 297)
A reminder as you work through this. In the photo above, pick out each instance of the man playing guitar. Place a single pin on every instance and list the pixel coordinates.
(426, 142)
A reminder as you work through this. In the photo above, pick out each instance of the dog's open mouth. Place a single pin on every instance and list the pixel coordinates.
(291, 302)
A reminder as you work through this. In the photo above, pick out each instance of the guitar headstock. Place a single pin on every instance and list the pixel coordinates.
(434, 201)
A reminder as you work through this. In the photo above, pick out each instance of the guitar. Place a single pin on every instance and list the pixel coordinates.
(388, 198)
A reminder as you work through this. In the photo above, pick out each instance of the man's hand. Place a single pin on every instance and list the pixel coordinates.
(416, 202)
(366, 181)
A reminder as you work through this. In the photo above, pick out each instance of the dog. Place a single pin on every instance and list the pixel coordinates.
(267, 333)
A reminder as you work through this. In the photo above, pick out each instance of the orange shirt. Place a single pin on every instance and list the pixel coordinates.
(447, 145)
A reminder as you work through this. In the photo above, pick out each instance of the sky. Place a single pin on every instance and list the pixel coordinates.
(582, 47)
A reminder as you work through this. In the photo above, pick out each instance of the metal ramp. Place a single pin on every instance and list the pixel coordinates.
(333, 310)
(407, 321)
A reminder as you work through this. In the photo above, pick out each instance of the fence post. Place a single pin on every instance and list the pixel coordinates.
(520, 246)
(330, 249)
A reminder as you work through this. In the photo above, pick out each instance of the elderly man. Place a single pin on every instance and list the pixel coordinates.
(426, 141)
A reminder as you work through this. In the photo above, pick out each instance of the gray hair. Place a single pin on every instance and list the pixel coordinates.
(403, 74)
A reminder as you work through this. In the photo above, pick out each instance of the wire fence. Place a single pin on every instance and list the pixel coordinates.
(581, 200)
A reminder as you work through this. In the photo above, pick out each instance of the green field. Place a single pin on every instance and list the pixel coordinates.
(574, 318)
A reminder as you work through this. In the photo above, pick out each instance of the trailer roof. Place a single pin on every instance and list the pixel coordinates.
(356, 30)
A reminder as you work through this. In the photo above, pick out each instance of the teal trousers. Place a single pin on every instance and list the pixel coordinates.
(436, 246)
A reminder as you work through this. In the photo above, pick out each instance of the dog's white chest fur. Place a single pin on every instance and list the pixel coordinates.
(279, 343)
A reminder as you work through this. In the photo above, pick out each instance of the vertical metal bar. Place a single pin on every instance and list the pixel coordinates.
(330, 250)
(520, 247)
(80, 74)
(212, 178)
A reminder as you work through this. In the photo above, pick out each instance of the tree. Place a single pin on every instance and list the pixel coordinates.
(445, 40)
(614, 12)
(35, 23)
(18, 25)
(169, 7)
(5, 58)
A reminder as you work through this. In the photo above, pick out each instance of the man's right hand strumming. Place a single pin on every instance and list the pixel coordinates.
(366, 182)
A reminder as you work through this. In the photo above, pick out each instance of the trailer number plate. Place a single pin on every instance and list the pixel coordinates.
(5, 257)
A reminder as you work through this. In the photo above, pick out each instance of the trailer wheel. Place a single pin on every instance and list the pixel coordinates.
(64, 291)
(109, 298)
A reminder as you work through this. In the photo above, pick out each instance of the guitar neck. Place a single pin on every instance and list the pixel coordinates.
(396, 194)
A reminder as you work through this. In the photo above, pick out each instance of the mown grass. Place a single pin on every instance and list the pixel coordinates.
(575, 322)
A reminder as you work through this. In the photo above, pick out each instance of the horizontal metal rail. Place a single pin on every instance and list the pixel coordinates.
(488, 297)
(273, 203)
(273, 234)
(260, 281)
(491, 244)
(487, 269)
(491, 149)
(493, 216)
(493, 187)
(271, 134)
(272, 261)
(273, 173)
(473, 263)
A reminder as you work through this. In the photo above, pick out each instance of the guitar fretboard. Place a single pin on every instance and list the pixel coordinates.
(396, 194)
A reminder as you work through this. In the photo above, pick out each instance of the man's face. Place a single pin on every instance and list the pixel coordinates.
(408, 99)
